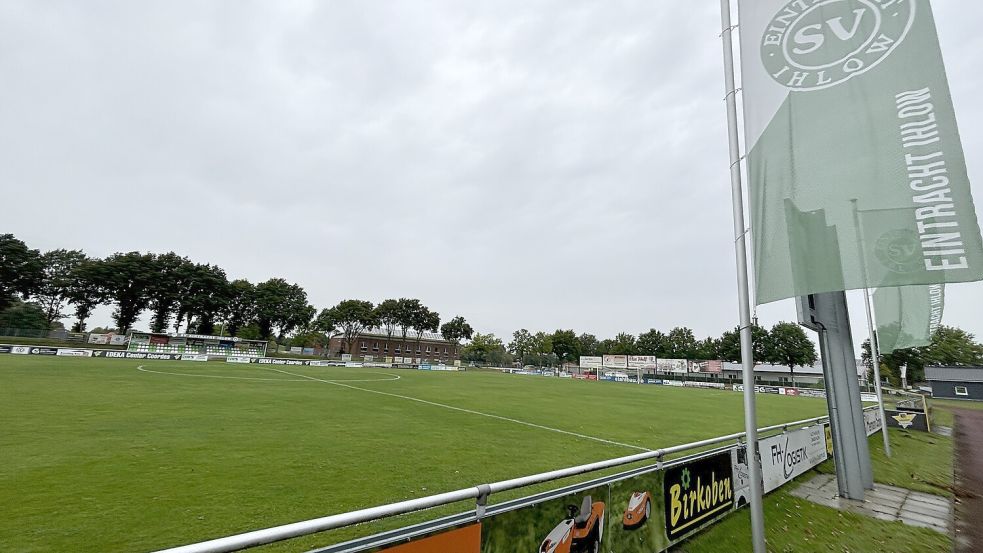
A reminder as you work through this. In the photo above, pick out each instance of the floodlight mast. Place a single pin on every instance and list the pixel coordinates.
(740, 250)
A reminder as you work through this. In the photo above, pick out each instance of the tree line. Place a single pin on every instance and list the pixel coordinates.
(785, 344)
(40, 289)
(950, 346)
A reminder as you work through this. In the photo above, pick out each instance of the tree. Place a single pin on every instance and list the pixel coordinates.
(652, 342)
(20, 270)
(128, 276)
(566, 346)
(521, 344)
(949, 346)
(208, 294)
(424, 320)
(681, 343)
(86, 290)
(541, 352)
(280, 308)
(57, 267)
(952, 346)
(351, 317)
(388, 315)
(172, 275)
(485, 349)
(240, 309)
(708, 348)
(730, 344)
(623, 344)
(788, 345)
(587, 344)
(455, 330)
(26, 315)
(406, 310)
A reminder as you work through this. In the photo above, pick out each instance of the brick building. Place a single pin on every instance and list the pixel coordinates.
(432, 347)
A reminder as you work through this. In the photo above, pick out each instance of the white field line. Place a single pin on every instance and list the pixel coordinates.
(140, 368)
(469, 411)
(394, 377)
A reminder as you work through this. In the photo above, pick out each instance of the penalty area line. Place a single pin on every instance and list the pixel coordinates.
(469, 411)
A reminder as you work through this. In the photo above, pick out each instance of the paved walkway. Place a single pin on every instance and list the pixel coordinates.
(883, 502)
(969, 480)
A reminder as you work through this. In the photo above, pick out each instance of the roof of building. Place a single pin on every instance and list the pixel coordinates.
(954, 374)
(398, 335)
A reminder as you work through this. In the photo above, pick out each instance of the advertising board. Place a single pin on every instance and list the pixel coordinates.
(346, 357)
(100, 339)
(136, 355)
(872, 421)
(117, 340)
(591, 361)
(460, 540)
(672, 365)
(238, 359)
(615, 361)
(714, 367)
(696, 493)
(270, 361)
(194, 357)
(868, 397)
(66, 352)
(642, 362)
(785, 456)
(906, 420)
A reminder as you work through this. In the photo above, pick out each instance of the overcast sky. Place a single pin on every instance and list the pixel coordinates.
(551, 164)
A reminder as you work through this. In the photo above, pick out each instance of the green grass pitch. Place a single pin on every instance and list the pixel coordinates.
(96, 455)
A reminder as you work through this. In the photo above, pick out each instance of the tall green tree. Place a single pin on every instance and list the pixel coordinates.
(209, 294)
(455, 330)
(730, 344)
(351, 317)
(280, 308)
(240, 309)
(424, 320)
(57, 268)
(653, 342)
(388, 315)
(86, 290)
(566, 346)
(128, 278)
(788, 345)
(406, 313)
(172, 275)
(587, 344)
(20, 270)
(623, 344)
(952, 346)
(681, 343)
(521, 344)
(708, 348)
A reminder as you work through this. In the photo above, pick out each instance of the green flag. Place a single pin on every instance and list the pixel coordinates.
(907, 316)
(848, 117)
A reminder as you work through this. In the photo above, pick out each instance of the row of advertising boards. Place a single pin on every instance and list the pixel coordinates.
(649, 362)
(644, 510)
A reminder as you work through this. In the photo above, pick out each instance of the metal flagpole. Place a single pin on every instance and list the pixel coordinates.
(875, 350)
(750, 415)
(875, 353)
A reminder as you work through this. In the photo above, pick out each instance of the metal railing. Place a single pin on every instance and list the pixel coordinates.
(479, 493)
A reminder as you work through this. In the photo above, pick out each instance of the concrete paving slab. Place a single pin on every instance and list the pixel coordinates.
(883, 503)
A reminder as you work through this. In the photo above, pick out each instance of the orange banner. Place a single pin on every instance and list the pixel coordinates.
(462, 540)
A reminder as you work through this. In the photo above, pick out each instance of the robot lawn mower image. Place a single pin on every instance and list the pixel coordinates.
(638, 510)
(579, 532)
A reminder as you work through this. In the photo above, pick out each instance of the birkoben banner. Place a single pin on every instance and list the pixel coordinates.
(856, 171)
